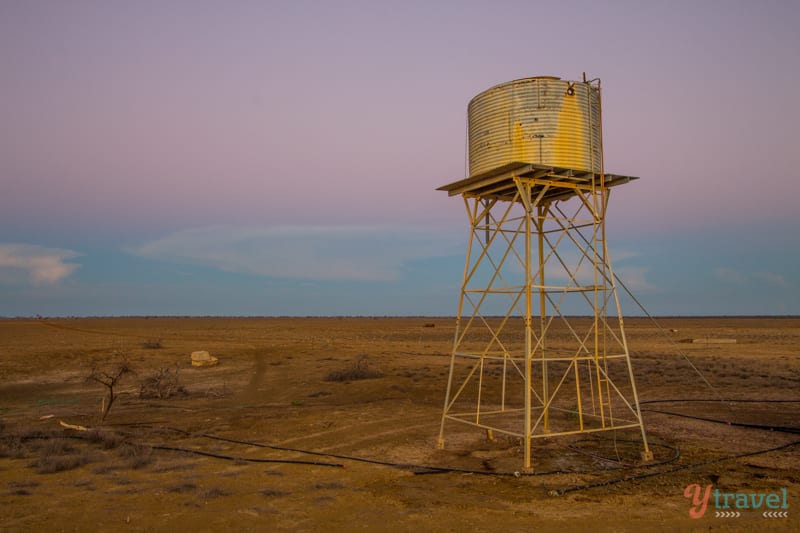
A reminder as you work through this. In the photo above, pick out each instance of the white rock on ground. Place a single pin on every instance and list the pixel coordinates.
(203, 358)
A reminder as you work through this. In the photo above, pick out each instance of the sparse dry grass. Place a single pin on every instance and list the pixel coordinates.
(21, 488)
(107, 439)
(273, 493)
(184, 487)
(358, 370)
(333, 485)
(58, 454)
(137, 456)
(267, 364)
(162, 384)
(213, 492)
(12, 447)
(152, 344)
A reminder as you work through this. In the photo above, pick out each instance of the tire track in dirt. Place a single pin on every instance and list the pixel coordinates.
(376, 436)
(359, 429)
(259, 371)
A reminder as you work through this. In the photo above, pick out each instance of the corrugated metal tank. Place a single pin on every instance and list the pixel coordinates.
(544, 120)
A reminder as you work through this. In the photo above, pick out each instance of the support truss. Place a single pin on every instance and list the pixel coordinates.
(540, 347)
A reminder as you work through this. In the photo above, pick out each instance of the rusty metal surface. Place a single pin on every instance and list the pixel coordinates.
(541, 120)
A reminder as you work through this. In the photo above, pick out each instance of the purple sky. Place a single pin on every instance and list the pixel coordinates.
(282, 157)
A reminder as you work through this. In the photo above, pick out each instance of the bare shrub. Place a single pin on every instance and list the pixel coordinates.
(56, 446)
(27, 484)
(214, 492)
(12, 448)
(108, 440)
(49, 463)
(109, 376)
(137, 455)
(182, 487)
(20, 488)
(272, 493)
(104, 469)
(162, 385)
(358, 370)
(152, 344)
(329, 486)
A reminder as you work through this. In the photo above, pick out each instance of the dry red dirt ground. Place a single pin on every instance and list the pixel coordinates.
(227, 447)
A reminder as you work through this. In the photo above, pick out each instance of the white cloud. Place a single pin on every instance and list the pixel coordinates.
(35, 264)
(361, 253)
(635, 279)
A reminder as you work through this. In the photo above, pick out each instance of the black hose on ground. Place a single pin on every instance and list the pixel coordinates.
(763, 427)
(428, 469)
(245, 459)
(561, 492)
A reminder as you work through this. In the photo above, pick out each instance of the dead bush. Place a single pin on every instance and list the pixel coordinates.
(20, 488)
(58, 455)
(182, 487)
(329, 486)
(162, 385)
(55, 446)
(108, 440)
(214, 492)
(12, 448)
(152, 344)
(59, 463)
(137, 455)
(273, 493)
(358, 370)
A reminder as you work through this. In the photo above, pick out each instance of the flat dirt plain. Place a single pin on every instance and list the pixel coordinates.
(227, 447)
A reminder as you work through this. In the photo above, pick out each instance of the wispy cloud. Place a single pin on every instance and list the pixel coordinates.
(581, 268)
(771, 278)
(574, 267)
(362, 253)
(635, 279)
(729, 275)
(37, 265)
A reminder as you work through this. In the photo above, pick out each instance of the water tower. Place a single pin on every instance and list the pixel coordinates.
(539, 348)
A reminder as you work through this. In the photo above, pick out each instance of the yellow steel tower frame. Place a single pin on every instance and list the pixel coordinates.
(539, 347)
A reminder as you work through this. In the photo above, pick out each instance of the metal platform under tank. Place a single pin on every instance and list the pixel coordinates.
(560, 183)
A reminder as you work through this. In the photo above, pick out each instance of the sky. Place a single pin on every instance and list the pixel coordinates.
(282, 158)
